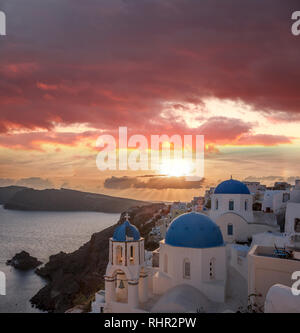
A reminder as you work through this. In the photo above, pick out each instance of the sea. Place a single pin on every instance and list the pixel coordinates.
(41, 234)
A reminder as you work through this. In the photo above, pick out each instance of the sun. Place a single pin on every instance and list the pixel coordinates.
(175, 168)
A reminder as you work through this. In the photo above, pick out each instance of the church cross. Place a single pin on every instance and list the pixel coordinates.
(127, 217)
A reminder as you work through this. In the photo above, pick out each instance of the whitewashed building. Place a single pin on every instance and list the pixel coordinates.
(274, 201)
(232, 210)
(196, 268)
(190, 274)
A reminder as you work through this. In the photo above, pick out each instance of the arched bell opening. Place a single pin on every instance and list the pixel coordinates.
(121, 286)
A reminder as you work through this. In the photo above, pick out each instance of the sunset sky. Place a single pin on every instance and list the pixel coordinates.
(73, 70)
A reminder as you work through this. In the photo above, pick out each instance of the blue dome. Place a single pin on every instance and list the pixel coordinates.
(232, 186)
(125, 231)
(194, 230)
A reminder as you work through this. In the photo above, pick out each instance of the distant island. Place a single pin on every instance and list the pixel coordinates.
(28, 199)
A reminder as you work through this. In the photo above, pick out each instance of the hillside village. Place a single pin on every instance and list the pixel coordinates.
(234, 250)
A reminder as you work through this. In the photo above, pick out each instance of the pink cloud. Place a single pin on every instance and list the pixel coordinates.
(263, 139)
(129, 57)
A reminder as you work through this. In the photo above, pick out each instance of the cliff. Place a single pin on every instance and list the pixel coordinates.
(65, 200)
(74, 278)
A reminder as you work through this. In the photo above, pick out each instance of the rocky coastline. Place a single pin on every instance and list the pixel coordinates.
(24, 261)
(73, 279)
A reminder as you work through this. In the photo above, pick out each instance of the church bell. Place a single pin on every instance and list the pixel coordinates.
(121, 285)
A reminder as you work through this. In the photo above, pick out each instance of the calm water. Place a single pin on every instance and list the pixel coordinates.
(41, 234)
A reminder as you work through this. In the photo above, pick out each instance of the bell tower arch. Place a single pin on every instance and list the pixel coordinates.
(126, 280)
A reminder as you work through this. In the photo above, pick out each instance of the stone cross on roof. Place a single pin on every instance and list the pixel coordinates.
(127, 216)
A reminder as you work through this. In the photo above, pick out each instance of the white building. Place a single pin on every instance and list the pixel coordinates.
(291, 235)
(191, 272)
(270, 274)
(196, 267)
(232, 210)
(192, 253)
(292, 217)
(126, 281)
(275, 201)
(253, 187)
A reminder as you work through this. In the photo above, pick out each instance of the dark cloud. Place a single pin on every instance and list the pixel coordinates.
(216, 130)
(120, 183)
(158, 183)
(114, 62)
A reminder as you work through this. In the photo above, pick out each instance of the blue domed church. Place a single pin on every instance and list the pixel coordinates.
(195, 266)
(193, 253)
(192, 263)
(231, 209)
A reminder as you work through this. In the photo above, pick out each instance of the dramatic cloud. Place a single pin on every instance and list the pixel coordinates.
(216, 131)
(158, 183)
(263, 139)
(34, 140)
(111, 63)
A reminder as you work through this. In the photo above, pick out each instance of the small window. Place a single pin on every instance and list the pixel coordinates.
(186, 269)
(246, 204)
(131, 255)
(231, 205)
(229, 229)
(119, 255)
(212, 264)
(217, 204)
(166, 264)
(297, 225)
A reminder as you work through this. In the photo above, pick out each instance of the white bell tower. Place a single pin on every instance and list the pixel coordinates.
(126, 281)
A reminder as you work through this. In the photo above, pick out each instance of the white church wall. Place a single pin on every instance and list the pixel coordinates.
(161, 283)
(200, 269)
(238, 226)
(220, 205)
(241, 230)
(239, 260)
